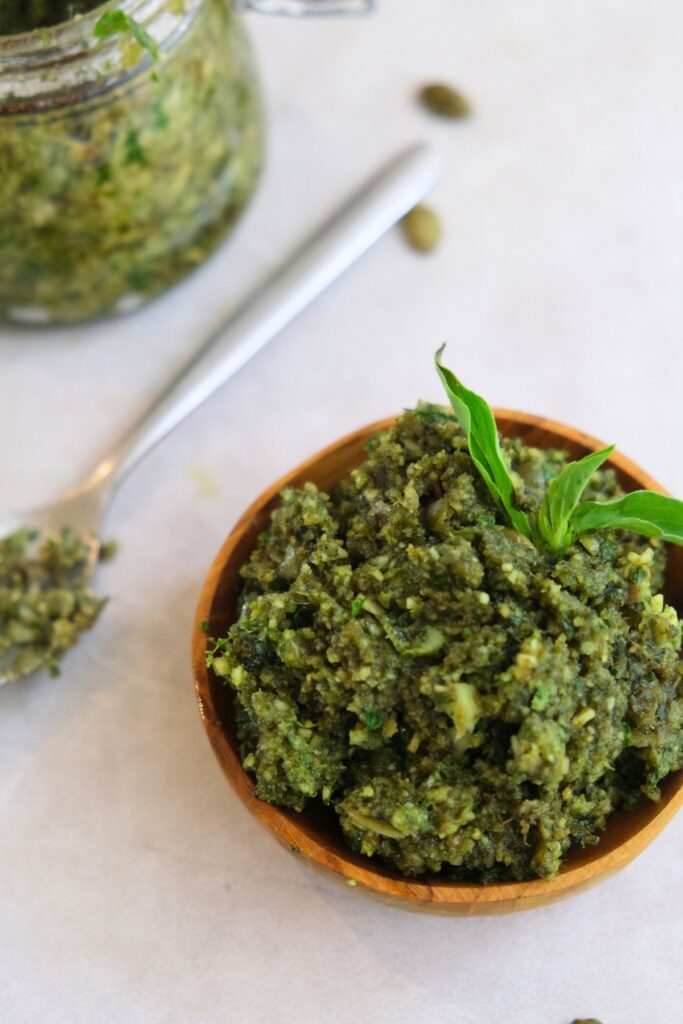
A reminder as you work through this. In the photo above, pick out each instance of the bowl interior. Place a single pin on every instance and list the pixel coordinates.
(315, 831)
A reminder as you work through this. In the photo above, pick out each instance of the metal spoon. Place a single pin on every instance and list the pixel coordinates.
(350, 232)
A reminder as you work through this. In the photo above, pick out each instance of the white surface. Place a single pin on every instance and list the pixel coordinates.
(134, 886)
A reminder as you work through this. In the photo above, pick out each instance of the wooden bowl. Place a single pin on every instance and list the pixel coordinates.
(314, 834)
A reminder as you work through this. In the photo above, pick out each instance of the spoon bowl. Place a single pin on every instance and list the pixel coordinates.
(314, 834)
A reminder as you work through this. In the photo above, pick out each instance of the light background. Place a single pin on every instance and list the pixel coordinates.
(134, 887)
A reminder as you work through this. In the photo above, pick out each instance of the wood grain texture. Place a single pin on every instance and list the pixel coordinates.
(314, 834)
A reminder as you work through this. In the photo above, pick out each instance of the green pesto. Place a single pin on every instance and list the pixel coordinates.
(45, 601)
(466, 702)
(26, 15)
(107, 202)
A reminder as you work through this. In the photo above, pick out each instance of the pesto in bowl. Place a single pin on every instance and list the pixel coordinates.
(465, 703)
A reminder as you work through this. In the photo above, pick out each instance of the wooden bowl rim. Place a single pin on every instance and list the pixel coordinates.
(453, 896)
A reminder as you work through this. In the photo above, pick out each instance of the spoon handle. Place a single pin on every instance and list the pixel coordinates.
(360, 222)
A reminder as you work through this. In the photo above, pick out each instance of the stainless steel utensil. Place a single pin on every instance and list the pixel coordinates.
(350, 232)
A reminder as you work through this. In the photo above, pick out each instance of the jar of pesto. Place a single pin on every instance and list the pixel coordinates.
(130, 142)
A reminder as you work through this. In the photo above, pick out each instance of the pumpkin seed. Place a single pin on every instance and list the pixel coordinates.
(422, 228)
(444, 101)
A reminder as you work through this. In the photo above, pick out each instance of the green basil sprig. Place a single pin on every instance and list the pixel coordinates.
(562, 517)
(645, 512)
(478, 424)
(563, 496)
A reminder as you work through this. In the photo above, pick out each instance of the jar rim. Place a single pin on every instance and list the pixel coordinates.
(36, 39)
(67, 63)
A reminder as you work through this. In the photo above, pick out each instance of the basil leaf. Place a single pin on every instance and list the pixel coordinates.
(478, 424)
(560, 519)
(562, 497)
(143, 37)
(644, 512)
(111, 23)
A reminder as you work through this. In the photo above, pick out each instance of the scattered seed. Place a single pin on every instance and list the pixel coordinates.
(444, 101)
(109, 549)
(422, 228)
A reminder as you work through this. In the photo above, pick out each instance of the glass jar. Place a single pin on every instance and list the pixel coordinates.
(126, 155)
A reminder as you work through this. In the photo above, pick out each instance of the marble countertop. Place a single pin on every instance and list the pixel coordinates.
(135, 887)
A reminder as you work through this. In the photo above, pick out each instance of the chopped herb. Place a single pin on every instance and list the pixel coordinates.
(159, 118)
(357, 606)
(114, 22)
(135, 154)
(103, 175)
(372, 719)
(110, 24)
(540, 699)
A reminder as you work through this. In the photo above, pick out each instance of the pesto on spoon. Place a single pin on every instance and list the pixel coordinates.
(45, 601)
